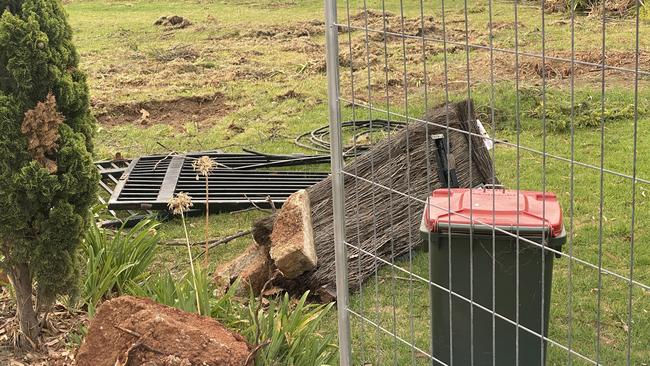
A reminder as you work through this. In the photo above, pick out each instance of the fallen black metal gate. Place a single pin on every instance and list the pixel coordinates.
(150, 182)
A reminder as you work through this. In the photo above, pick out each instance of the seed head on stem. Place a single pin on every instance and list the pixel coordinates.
(180, 203)
(204, 165)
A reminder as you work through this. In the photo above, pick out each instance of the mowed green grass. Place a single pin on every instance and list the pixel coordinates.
(118, 43)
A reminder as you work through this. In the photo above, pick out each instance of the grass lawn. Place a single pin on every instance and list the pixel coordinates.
(261, 64)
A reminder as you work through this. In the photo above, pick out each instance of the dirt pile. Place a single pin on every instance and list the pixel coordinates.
(173, 21)
(133, 331)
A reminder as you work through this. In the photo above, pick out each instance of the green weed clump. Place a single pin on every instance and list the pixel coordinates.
(587, 112)
(116, 260)
(287, 333)
(179, 293)
(554, 108)
(284, 330)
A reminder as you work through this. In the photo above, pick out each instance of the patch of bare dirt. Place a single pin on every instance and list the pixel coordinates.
(386, 82)
(593, 7)
(586, 65)
(499, 25)
(290, 94)
(176, 52)
(288, 31)
(250, 72)
(382, 52)
(304, 45)
(134, 331)
(391, 27)
(176, 112)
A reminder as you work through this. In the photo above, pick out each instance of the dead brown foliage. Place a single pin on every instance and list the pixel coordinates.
(593, 7)
(41, 127)
(56, 346)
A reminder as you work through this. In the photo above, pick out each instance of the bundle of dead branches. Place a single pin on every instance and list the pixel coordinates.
(384, 194)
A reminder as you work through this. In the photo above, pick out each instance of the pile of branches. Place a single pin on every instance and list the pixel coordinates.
(384, 205)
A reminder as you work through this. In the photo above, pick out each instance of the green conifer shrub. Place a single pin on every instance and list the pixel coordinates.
(47, 178)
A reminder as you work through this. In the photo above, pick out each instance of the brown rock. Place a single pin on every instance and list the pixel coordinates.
(252, 267)
(134, 331)
(292, 239)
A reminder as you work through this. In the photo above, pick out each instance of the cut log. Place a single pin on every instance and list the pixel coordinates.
(384, 207)
(292, 238)
(262, 230)
(253, 268)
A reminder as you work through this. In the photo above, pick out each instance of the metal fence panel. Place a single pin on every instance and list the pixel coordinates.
(560, 90)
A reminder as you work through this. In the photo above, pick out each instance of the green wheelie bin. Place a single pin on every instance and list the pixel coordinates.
(491, 257)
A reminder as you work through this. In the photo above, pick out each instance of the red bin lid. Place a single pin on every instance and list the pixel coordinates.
(449, 208)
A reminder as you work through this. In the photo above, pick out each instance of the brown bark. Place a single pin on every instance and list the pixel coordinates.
(292, 238)
(262, 230)
(21, 280)
(253, 268)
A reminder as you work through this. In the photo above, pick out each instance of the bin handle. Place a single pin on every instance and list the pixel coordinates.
(494, 186)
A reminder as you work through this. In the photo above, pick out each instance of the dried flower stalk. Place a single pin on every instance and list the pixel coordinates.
(178, 205)
(205, 165)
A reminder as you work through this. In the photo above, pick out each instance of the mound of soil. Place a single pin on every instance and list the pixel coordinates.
(134, 331)
(175, 112)
(173, 21)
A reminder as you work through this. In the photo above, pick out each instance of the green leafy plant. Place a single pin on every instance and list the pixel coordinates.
(555, 108)
(289, 333)
(586, 112)
(286, 331)
(182, 294)
(115, 260)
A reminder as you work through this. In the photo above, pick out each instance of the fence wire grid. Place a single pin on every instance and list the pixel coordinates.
(561, 90)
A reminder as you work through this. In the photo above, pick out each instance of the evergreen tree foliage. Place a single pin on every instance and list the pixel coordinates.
(43, 208)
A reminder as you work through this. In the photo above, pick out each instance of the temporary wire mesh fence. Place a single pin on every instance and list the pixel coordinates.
(561, 91)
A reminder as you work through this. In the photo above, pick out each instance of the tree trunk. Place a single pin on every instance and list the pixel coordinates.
(262, 230)
(21, 280)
